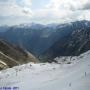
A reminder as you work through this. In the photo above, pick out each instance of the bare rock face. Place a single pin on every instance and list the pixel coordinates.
(11, 55)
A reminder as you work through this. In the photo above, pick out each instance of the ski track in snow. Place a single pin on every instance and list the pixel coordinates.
(45, 76)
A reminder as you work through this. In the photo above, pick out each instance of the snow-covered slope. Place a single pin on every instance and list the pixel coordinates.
(45, 76)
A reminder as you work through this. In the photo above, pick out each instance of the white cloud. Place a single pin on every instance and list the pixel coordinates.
(26, 6)
(54, 11)
(67, 4)
(11, 8)
(12, 12)
(64, 10)
(26, 3)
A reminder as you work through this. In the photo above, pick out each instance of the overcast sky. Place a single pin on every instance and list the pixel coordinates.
(43, 11)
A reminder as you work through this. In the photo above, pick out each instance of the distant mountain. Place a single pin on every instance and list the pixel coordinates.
(50, 40)
(4, 28)
(35, 38)
(11, 55)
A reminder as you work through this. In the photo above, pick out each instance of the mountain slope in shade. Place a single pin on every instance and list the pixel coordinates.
(77, 42)
(46, 76)
(11, 55)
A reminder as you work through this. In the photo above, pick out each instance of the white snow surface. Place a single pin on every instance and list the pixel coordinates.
(46, 76)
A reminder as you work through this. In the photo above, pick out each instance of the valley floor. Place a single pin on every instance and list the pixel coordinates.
(74, 76)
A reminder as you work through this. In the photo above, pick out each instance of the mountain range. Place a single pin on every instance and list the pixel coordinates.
(47, 42)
